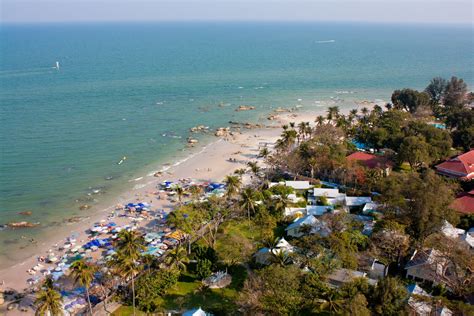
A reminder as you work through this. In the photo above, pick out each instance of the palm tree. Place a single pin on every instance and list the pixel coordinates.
(320, 120)
(233, 185)
(333, 113)
(48, 300)
(264, 152)
(254, 167)
(127, 268)
(195, 191)
(247, 201)
(332, 303)
(180, 193)
(292, 125)
(177, 258)
(289, 137)
(280, 257)
(281, 203)
(130, 244)
(83, 274)
(364, 111)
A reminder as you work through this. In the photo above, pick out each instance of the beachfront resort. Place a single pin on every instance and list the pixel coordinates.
(364, 212)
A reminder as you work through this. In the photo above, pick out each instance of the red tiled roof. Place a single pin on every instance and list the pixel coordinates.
(369, 160)
(461, 166)
(464, 203)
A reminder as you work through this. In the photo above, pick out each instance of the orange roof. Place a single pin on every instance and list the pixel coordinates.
(464, 203)
(369, 160)
(461, 166)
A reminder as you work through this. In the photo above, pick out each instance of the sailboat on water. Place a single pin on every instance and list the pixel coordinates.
(56, 66)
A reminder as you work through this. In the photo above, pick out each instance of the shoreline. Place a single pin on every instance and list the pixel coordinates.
(208, 163)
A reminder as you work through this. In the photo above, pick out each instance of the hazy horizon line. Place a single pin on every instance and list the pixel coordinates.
(243, 21)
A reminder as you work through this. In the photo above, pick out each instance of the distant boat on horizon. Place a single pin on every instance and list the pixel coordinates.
(56, 66)
(326, 41)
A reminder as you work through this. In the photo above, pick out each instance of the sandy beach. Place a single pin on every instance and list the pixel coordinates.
(211, 163)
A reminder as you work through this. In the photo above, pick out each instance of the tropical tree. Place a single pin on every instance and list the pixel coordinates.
(333, 113)
(48, 300)
(332, 302)
(264, 152)
(247, 201)
(410, 100)
(83, 274)
(320, 120)
(128, 268)
(288, 138)
(254, 167)
(130, 244)
(177, 259)
(233, 184)
(436, 89)
(180, 192)
(455, 93)
(389, 297)
(195, 191)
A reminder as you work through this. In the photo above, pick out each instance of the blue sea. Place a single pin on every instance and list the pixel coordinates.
(135, 89)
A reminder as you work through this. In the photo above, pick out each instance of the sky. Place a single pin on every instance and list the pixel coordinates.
(398, 11)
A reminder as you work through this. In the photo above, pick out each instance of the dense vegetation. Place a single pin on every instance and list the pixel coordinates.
(223, 233)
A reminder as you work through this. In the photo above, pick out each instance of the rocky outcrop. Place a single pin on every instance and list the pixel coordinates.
(245, 108)
(199, 128)
(222, 131)
(22, 224)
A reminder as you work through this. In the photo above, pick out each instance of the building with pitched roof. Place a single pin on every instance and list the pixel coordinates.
(460, 167)
(464, 203)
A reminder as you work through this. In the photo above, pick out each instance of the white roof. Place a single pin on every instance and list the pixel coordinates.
(317, 210)
(293, 210)
(195, 312)
(420, 306)
(450, 231)
(330, 193)
(307, 220)
(298, 185)
(283, 244)
(357, 200)
(469, 239)
(371, 206)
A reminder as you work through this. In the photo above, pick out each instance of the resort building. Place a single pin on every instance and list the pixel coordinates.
(464, 203)
(460, 167)
(264, 255)
(341, 276)
(371, 161)
(307, 225)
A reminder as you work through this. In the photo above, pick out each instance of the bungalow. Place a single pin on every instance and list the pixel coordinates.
(341, 276)
(195, 312)
(356, 201)
(295, 211)
(373, 267)
(464, 203)
(371, 161)
(264, 255)
(298, 185)
(318, 210)
(456, 233)
(419, 303)
(367, 221)
(450, 231)
(315, 226)
(371, 208)
(426, 265)
(333, 195)
(417, 300)
(460, 167)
